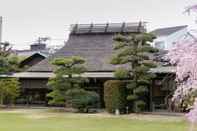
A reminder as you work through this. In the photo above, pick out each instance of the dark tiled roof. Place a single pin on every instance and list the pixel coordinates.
(96, 48)
(167, 31)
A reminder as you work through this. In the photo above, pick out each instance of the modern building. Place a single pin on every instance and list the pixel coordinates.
(167, 37)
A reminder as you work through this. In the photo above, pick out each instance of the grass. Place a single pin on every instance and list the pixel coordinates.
(44, 120)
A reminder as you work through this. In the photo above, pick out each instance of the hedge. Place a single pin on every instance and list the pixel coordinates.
(82, 100)
(115, 96)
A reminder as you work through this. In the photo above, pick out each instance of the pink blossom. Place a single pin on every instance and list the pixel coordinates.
(184, 57)
(191, 8)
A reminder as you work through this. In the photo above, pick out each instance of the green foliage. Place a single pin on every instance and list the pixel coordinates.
(134, 50)
(68, 71)
(122, 73)
(9, 87)
(8, 63)
(3, 65)
(187, 102)
(14, 62)
(141, 90)
(139, 106)
(132, 97)
(9, 90)
(114, 95)
(82, 100)
(67, 86)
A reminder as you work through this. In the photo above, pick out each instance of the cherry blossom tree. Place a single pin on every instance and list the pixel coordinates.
(184, 57)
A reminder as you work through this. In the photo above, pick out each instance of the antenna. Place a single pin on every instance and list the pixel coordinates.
(42, 39)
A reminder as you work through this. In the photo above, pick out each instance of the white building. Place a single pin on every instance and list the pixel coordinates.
(167, 37)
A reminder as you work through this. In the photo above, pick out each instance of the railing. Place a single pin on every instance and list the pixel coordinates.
(108, 28)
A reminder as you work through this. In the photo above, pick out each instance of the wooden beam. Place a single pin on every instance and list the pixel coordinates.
(123, 27)
(106, 27)
(91, 27)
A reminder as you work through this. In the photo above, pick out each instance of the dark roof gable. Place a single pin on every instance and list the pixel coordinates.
(167, 31)
(32, 60)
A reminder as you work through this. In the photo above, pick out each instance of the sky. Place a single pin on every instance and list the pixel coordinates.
(26, 20)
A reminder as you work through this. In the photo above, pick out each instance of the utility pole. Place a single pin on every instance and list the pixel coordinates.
(1, 27)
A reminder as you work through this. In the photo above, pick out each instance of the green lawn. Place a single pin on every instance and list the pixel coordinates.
(43, 120)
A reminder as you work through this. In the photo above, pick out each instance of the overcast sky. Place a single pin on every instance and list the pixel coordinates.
(25, 20)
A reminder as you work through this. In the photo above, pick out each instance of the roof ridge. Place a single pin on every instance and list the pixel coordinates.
(108, 27)
(170, 27)
(167, 30)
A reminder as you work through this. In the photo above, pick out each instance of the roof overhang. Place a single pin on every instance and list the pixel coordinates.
(46, 75)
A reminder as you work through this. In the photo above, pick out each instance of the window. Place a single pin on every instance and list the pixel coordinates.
(160, 45)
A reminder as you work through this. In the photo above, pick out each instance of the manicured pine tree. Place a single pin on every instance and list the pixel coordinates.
(68, 86)
(68, 71)
(134, 50)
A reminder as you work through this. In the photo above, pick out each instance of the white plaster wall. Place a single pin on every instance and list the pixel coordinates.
(159, 39)
(169, 40)
(173, 38)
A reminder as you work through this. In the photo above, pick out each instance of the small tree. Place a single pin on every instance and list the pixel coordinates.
(9, 90)
(68, 84)
(184, 57)
(9, 87)
(133, 50)
(68, 71)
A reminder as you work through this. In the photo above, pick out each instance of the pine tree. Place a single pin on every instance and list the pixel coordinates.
(68, 86)
(68, 71)
(134, 50)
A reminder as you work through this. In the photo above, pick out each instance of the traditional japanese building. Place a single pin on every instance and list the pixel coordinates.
(93, 42)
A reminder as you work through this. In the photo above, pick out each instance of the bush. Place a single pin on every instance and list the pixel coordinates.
(82, 100)
(139, 106)
(9, 90)
(115, 96)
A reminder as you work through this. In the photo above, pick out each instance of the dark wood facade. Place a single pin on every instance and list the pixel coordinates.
(34, 91)
(161, 91)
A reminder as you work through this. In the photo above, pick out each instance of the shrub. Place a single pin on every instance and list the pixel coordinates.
(139, 106)
(9, 90)
(82, 100)
(115, 96)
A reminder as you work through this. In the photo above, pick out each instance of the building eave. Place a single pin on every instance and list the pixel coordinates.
(46, 75)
